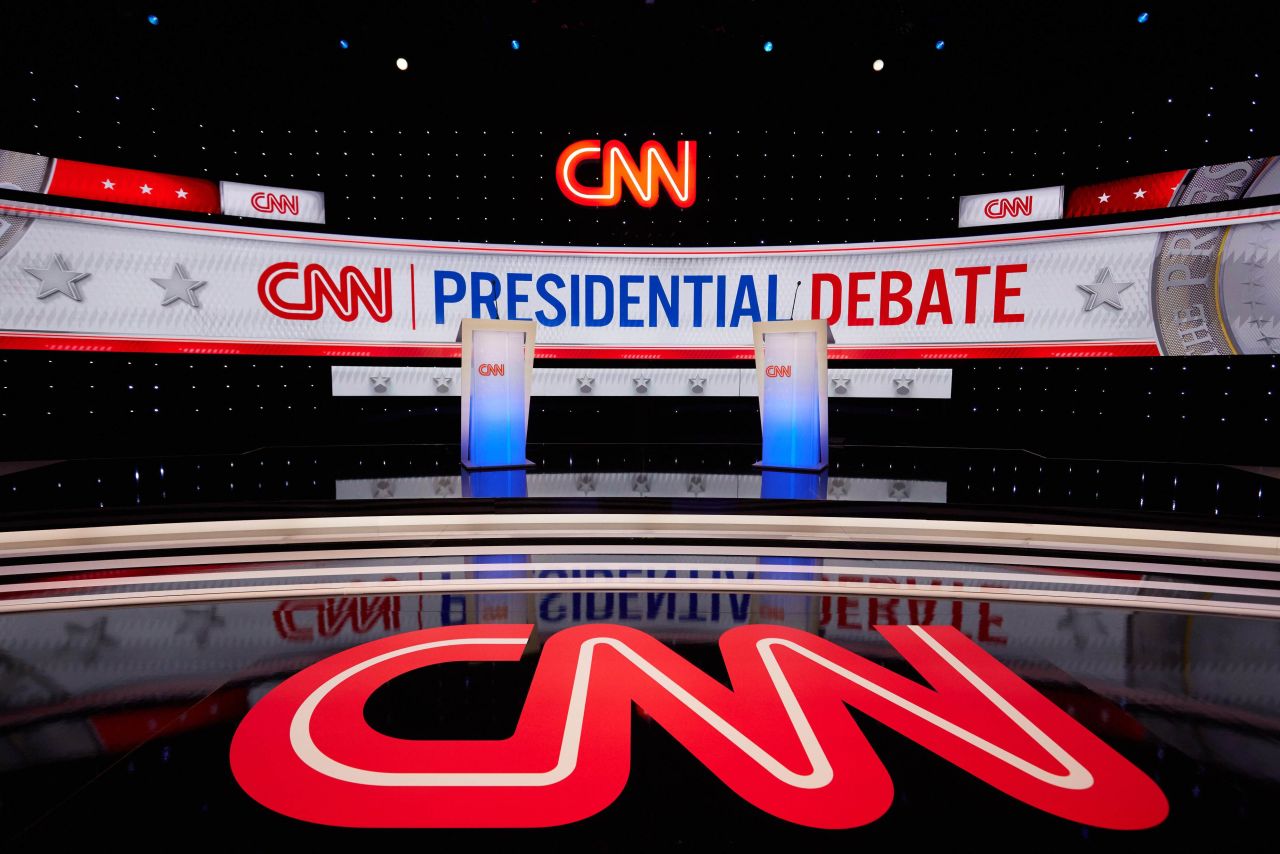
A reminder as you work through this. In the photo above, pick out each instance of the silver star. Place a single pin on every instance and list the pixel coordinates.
(840, 385)
(442, 384)
(444, 486)
(838, 488)
(200, 622)
(380, 382)
(696, 485)
(1104, 290)
(58, 279)
(902, 385)
(641, 384)
(585, 483)
(899, 491)
(180, 286)
(384, 489)
(585, 384)
(640, 484)
(697, 385)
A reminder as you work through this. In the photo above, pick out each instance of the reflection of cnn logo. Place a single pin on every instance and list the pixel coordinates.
(1001, 208)
(491, 370)
(618, 169)
(306, 299)
(274, 203)
(777, 371)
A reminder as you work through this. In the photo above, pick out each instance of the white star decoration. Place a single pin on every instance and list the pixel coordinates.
(1104, 198)
(108, 184)
(1139, 193)
(146, 191)
(182, 194)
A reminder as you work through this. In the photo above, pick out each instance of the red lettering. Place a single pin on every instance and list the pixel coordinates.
(344, 296)
(857, 297)
(896, 296)
(987, 622)
(936, 299)
(970, 275)
(1005, 291)
(837, 291)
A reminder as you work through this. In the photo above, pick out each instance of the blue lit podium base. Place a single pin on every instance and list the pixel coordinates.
(762, 465)
(474, 466)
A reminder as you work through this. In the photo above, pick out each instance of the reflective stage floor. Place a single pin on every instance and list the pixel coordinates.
(135, 723)
(645, 649)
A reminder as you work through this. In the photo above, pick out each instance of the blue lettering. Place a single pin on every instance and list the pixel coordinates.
(697, 282)
(575, 299)
(746, 294)
(655, 604)
(603, 613)
(626, 299)
(606, 315)
(514, 297)
(490, 299)
(544, 608)
(720, 301)
(460, 291)
(669, 300)
(546, 281)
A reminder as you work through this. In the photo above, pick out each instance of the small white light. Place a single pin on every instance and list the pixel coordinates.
(878, 65)
(402, 64)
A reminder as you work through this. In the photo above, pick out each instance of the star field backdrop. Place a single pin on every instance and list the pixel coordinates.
(802, 144)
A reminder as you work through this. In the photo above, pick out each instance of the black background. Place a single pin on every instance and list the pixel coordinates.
(805, 144)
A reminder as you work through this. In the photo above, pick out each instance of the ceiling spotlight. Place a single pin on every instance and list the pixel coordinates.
(402, 64)
(1143, 17)
(344, 44)
(768, 47)
(153, 20)
(939, 44)
(878, 65)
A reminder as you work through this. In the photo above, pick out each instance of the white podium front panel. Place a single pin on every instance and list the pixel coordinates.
(791, 366)
(497, 369)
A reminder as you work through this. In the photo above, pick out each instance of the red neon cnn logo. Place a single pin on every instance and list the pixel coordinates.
(274, 203)
(1014, 206)
(641, 179)
(777, 371)
(494, 370)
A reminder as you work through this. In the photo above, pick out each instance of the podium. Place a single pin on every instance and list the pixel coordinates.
(791, 370)
(497, 377)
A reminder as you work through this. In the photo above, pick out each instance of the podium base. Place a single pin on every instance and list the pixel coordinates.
(470, 466)
(760, 464)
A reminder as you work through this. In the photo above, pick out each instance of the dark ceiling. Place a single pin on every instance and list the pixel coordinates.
(803, 144)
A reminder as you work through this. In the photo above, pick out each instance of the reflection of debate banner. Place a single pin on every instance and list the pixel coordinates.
(1192, 285)
(791, 363)
(497, 375)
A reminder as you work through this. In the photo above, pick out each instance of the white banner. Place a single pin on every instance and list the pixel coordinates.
(1194, 285)
(272, 202)
(1037, 205)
